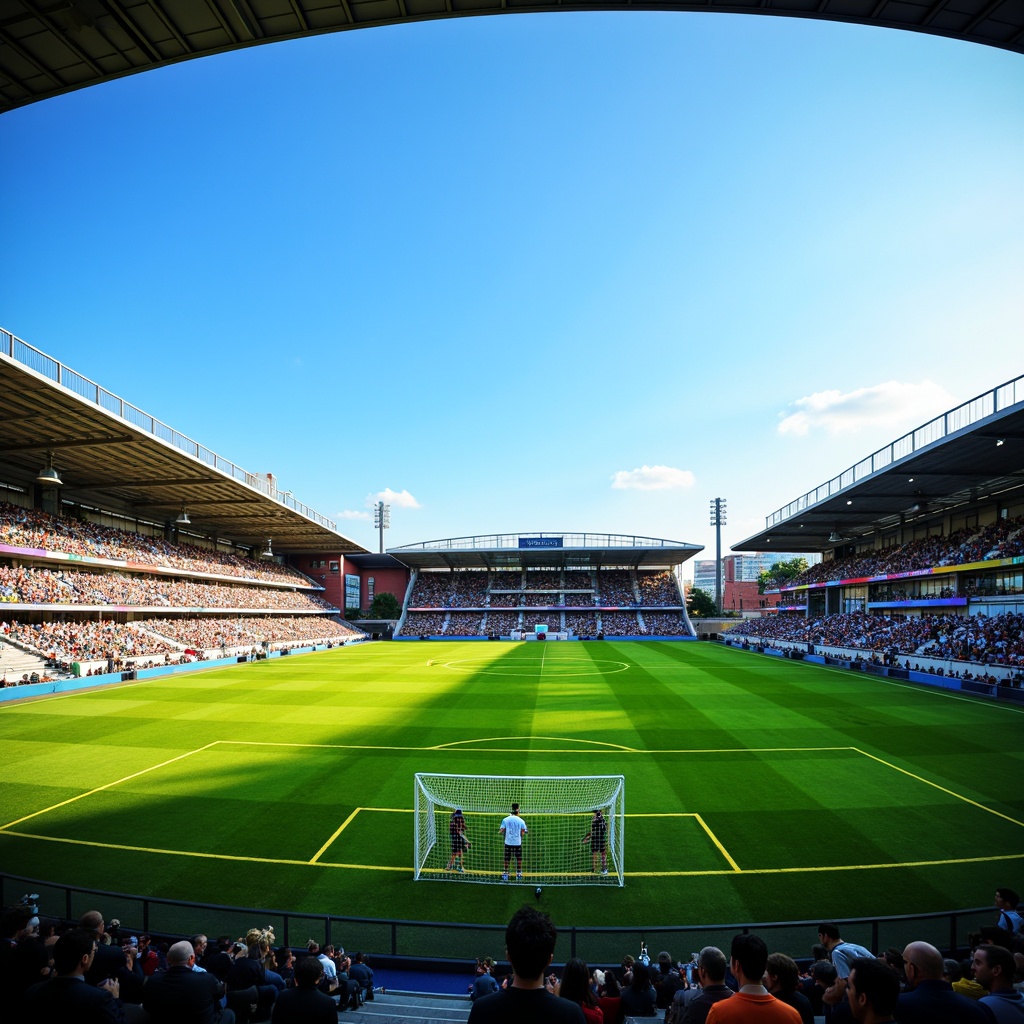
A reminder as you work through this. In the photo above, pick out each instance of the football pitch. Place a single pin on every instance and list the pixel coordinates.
(757, 789)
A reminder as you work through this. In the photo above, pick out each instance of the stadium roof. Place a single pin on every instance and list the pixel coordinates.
(112, 456)
(51, 48)
(971, 456)
(546, 550)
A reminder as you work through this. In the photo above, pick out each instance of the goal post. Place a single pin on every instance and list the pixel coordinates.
(559, 814)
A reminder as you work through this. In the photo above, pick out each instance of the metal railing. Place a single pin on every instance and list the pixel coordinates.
(433, 940)
(997, 400)
(63, 376)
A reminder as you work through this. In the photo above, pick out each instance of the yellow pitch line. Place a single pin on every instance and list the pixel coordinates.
(563, 739)
(615, 748)
(629, 874)
(714, 839)
(829, 867)
(942, 789)
(99, 789)
(202, 856)
(341, 828)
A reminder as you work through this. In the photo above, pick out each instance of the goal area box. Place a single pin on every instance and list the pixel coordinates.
(558, 848)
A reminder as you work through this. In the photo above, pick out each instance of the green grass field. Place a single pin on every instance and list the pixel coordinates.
(756, 789)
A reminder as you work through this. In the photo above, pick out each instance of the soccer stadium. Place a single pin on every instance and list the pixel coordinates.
(177, 624)
(249, 754)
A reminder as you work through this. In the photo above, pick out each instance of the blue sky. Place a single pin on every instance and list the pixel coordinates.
(578, 272)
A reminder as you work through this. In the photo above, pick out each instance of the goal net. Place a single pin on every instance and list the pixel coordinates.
(565, 843)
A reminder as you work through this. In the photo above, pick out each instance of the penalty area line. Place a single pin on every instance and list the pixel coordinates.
(721, 849)
(827, 867)
(202, 856)
(348, 821)
(108, 785)
(941, 789)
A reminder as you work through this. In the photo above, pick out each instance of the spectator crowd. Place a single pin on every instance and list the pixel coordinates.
(32, 528)
(980, 639)
(1002, 539)
(506, 601)
(87, 970)
(28, 585)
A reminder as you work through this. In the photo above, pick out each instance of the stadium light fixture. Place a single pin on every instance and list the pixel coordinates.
(835, 537)
(269, 552)
(48, 476)
(183, 519)
(1000, 442)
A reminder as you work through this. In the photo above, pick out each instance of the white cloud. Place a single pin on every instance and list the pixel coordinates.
(399, 499)
(652, 478)
(352, 514)
(894, 405)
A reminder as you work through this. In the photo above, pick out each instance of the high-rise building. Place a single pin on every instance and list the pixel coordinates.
(704, 575)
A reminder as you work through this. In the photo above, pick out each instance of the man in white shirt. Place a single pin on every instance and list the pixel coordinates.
(513, 828)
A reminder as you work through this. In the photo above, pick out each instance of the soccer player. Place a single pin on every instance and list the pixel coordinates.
(598, 839)
(513, 828)
(460, 841)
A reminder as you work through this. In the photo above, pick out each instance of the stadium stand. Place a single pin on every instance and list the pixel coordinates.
(505, 601)
(46, 603)
(979, 639)
(34, 529)
(966, 546)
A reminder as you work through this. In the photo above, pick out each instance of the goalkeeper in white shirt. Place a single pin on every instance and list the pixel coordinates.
(513, 828)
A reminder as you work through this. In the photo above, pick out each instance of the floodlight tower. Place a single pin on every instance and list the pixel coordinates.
(381, 520)
(718, 513)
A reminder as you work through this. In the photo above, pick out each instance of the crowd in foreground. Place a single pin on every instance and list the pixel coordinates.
(846, 982)
(89, 972)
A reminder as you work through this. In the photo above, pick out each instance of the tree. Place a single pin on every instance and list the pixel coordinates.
(701, 603)
(385, 606)
(780, 573)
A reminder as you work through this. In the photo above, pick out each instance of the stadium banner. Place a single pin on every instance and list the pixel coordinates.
(540, 542)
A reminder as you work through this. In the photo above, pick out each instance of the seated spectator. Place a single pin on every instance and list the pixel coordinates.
(640, 999)
(181, 995)
(872, 990)
(691, 1006)
(67, 996)
(530, 944)
(575, 986)
(363, 975)
(666, 980)
(305, 1003)
(930, 998)
(994, 969)
(1010, 918)
(609, 998)
(782, 980)
(753, 1002)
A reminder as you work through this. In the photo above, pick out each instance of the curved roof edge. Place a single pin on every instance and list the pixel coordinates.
(48, 52)
(545, 549)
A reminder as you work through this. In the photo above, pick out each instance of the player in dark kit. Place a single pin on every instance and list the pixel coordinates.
(598, 839)
(460, 842)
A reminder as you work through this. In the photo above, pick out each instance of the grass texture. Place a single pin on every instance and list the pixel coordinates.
(757, 789)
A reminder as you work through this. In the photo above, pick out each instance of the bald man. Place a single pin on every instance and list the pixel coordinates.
(929, 998)
(182, 996)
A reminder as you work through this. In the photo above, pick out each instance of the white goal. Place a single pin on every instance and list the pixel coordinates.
(563, 844)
